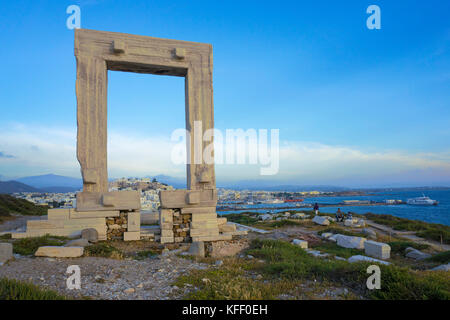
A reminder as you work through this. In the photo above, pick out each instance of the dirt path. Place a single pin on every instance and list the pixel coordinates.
(410, 235)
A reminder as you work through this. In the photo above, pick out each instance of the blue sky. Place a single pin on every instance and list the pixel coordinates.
(354, 106)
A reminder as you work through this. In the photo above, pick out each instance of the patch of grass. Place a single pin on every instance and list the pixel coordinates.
(230, 282)
(291, 262)
(141, 255)
(340, 231)
(281, 223)
(443, 257)
(28, 246)
(334, 249)
(16, 290)
(400, 246)
(430, 231)
(242, 218)
(10, 204)
(103, 249)
(403, 284)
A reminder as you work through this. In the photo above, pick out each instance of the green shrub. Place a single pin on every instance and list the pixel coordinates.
(141, 255)
(403, 284)
(242, 218)
(103, 249)
(5, 236)
(443, 257)
(28, 246)
(16, 290)
(282, 223)
(10, 204)
(400, 246)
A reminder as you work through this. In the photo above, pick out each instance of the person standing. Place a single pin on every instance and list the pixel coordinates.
(316, 208)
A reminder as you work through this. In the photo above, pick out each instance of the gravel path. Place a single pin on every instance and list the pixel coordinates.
(103, 278)
(410, 235)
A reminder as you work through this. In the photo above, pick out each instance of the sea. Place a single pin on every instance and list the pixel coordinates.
(434, 214)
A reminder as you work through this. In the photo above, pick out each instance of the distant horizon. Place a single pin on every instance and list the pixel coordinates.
(249, 183)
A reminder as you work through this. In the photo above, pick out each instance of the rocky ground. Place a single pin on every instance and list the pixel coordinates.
(154, 277)
(103, 278)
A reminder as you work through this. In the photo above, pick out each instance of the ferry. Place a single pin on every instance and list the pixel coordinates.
(422, 201)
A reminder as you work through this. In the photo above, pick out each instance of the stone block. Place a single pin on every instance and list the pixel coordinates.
(90, 234)
(59, 252)
(166, 239)
(174, 199)
(193, 197)
(301, 243)
(132, 236)
(197, 249)
(227, 227)
(166, 233)
(107, 201)
(350, 242)
(359, 258)
(348, 222)
(58, 214)
(134, 221)
(221, 220)
(326, 235)
(45, 224)
(93, 214)
(166, 215)
(204, 224)
(166, 226)
(119, 46)
(377, 249)
(211, 217)
(6, 252)
(193, 210)
(323, 221)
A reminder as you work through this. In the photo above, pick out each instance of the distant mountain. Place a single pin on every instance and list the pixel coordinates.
(15, 186)
(53, 183)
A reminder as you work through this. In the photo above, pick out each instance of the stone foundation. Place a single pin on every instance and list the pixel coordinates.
(69, 222)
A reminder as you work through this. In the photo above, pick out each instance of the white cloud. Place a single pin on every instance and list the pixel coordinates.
(40, 150)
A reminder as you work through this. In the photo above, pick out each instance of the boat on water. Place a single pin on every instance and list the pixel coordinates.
(422, 201)
(293, 200)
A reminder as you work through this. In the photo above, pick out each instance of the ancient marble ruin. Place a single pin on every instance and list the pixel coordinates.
(185, 215)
